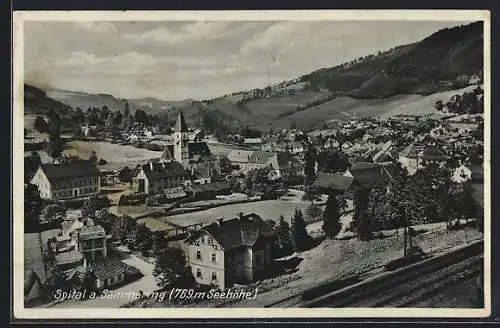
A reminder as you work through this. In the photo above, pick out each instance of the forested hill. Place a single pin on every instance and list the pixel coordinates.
(439, 62)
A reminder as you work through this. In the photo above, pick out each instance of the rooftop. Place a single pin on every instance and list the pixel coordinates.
(180, 125)
(108, 267)
(68, 257)
(72, 170)
(244, 230)
(91, 232)
(159, 170)
(333, 181)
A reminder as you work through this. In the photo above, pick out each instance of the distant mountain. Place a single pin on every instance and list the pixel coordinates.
(37, 101)
(444, 61)
(434, 64)
(85, 100)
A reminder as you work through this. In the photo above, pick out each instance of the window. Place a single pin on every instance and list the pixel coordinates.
(98, 243)
(214, 276)
(111, 280)
(214, 258)
(258, 259)
(198, 273)
(202, 240)
(198, 255)
(210, 241)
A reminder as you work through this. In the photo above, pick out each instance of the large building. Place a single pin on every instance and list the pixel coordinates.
(190, 151)
(157, 177)
(283, 165)
(82, 247)
(232, 251)
(67, 181)
(92, 242)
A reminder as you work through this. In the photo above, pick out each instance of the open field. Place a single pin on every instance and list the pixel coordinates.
(112, 153)
(334, 259)
(338, 259)
(132, 211)
(273, 106)
(154, 224)
(220, 149)
(351, 108)
(268, 209)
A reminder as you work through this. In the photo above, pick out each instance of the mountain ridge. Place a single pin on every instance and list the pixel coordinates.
(445, 60)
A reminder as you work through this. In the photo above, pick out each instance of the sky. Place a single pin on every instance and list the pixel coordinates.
(179, 60)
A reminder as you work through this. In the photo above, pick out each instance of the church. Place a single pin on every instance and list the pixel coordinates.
(184, 162)
(194, 154)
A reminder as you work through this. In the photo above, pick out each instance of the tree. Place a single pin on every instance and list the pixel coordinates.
(300, 236)
(89, 207)
(125, 174)
(310, 194)
(55, 146)
(117, 119)
(172, 271)
(122, 227)
(331, 217)
(32, 208)
(126, 110)
(31, 164)
(141, 116)
(284, 237)
(93, 157)
(439, 105)
(361, 220)
(310, 164)
(313, 211)
(40, 124)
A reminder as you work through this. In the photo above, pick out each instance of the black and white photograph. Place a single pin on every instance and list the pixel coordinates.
(323, 164)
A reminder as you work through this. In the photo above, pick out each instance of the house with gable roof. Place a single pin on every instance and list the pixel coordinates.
(230, 251)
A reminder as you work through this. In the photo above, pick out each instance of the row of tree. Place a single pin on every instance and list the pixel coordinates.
(427, 196)
(467, 103)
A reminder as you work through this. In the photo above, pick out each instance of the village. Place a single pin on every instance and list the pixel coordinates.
(155, 207)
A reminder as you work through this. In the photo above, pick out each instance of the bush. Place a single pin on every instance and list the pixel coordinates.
(53, 210)
(313, 211)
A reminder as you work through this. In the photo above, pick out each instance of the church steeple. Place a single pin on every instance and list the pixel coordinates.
(181, 126)
(181, 141)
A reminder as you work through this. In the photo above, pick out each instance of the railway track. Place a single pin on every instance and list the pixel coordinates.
(402, 287)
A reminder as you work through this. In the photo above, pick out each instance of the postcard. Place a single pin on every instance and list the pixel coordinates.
(280, 164)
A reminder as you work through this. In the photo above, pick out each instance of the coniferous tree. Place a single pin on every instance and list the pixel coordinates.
(331, 217)
(300, 236)
(172, 271)
(284, 236)
(361, 219)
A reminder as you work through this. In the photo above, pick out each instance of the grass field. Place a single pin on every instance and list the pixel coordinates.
(269, 209)
(154, 224)
(347, 107)
(133, 211)
(112, 153)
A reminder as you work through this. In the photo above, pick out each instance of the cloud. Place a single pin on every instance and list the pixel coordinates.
(196, 59)
(199, 30)
(274, 37)
(130, 62)
(99, 27)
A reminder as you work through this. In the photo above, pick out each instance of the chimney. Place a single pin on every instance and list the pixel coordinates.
(240, 215)
(151, 166)
(219, 221)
